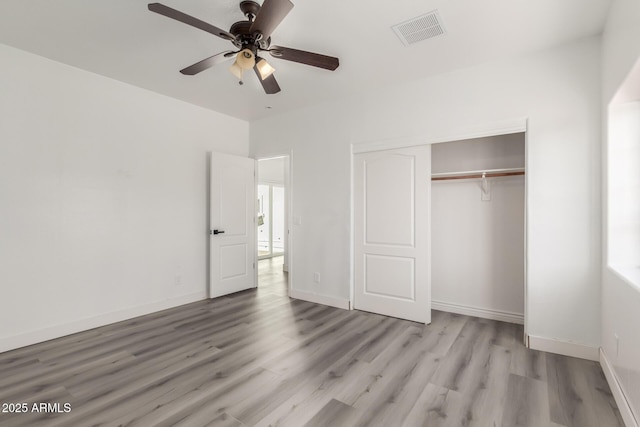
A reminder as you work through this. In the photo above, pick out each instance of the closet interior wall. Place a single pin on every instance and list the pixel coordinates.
(478, 246)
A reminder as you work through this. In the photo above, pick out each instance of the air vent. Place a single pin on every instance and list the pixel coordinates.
(421, 28)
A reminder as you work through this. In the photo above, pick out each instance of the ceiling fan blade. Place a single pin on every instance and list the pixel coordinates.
(206, 63)
(269, 84)
(269, 16)
(308, 58)
(189, 20)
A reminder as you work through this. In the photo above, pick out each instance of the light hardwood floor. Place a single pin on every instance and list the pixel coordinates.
(259, 358)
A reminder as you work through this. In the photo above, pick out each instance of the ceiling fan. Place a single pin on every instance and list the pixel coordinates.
(250, 37)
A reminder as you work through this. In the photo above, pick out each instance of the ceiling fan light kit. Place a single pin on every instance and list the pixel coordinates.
(250, 37)
(245, 59)
(236, 70)
(264, 68)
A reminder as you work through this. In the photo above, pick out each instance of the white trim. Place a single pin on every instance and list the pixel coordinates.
(566, 348)
(389, 144)
(320, 299)
(352, 235)
(491, 129)
(618, 393)
(485, 313)
(525, 273)
(34, 337)
(288, 185)
(273, 156)
(256, 257)
(429, 247)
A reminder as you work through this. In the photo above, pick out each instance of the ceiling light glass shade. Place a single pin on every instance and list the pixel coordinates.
(245, 59)
(264, 68)
(236, 70)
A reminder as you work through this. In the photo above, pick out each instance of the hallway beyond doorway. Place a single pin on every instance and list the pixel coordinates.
(271, 277)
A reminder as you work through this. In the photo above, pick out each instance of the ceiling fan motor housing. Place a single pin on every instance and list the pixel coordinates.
(245, 39)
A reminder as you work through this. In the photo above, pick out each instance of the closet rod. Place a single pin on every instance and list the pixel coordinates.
(477, 174)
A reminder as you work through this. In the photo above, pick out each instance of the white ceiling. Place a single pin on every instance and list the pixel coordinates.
(121, 39)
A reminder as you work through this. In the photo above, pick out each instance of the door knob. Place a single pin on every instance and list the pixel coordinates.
(216, 232)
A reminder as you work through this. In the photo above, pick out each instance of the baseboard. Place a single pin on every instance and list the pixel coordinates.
(485, 313)
(566, 348)
(46, 334)
(618, 393)
(320, 299)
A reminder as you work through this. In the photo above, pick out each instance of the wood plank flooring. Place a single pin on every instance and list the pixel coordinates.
(257, 358)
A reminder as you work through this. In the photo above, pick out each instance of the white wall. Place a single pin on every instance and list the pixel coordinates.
(558, 90)
(620, 300)
(477, 245)
(103, 198)
(491, 152)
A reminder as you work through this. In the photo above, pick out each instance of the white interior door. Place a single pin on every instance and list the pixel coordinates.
(391, 220)
(232, 234)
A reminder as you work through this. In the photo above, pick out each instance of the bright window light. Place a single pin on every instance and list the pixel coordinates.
(623, 177)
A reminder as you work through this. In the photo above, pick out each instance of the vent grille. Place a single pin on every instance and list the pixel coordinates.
(421, 28)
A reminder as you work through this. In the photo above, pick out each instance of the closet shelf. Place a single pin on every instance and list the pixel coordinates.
(489, 173)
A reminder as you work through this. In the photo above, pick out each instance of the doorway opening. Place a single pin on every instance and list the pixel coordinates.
(272, 224)
(478, 227)
(498, 171)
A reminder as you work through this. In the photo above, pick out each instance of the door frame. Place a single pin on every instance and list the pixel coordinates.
(288, 196)
(515, 125)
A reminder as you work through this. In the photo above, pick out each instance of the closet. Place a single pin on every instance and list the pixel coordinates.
(478, 227)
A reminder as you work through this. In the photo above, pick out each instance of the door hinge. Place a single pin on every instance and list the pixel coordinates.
(254, 265)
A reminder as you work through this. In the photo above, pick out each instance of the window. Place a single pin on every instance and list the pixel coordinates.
(624, 180)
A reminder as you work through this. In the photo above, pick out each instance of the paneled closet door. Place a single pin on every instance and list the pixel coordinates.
(391, 220)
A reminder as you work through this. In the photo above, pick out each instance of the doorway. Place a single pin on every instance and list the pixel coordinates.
(272, 224)
(478, 226)
(367, 233)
